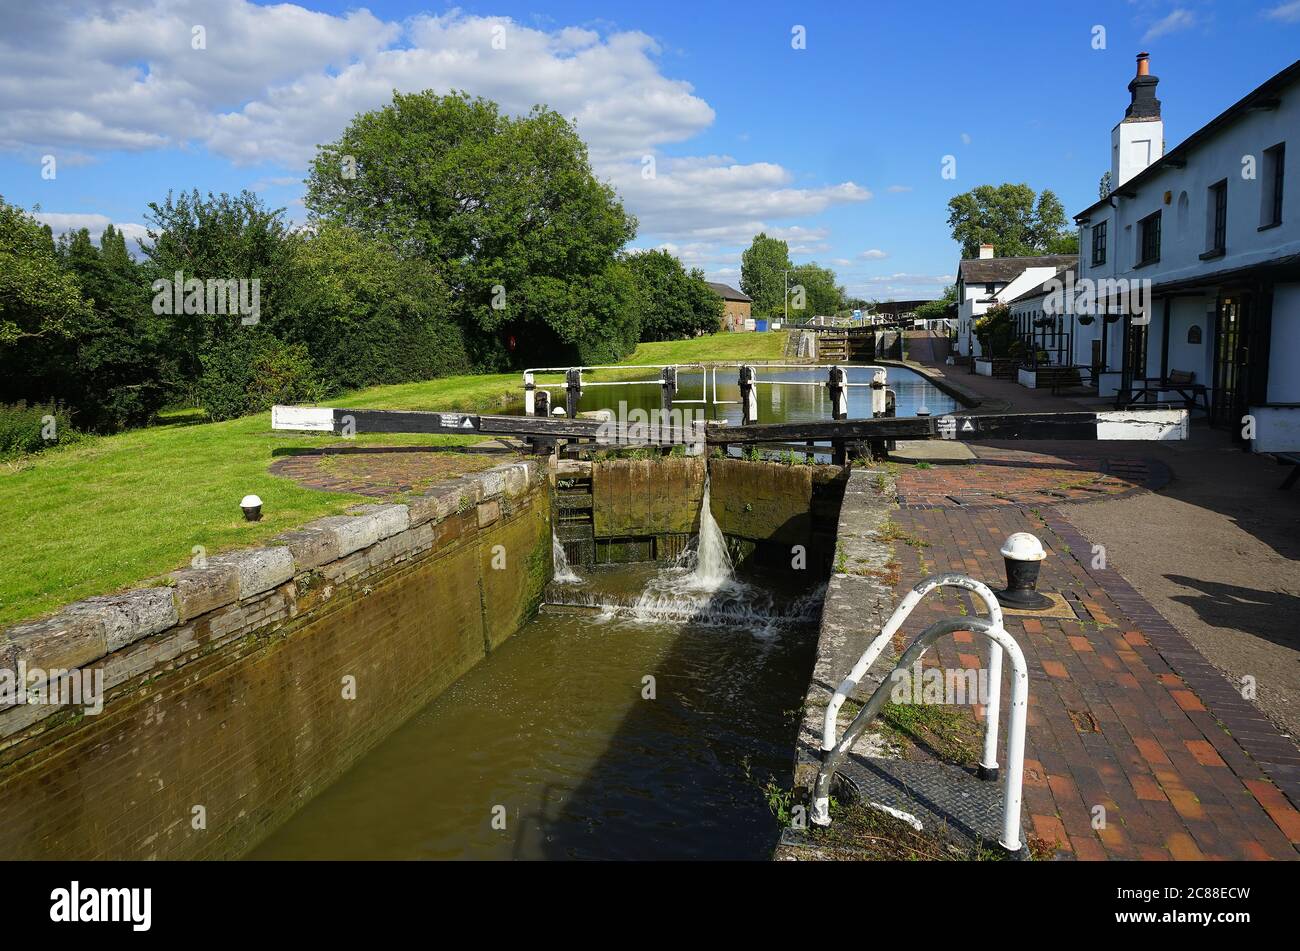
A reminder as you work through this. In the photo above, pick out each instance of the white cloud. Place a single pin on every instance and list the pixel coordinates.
(899, 189)
(274, 81)
(965, 138)
(1179, 19)
(1285, 12)
(63, 222)
(138, 83)
(716, 199)
(874, 254)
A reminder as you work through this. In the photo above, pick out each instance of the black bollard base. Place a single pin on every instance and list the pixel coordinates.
(1020, 593)
(1023, 600)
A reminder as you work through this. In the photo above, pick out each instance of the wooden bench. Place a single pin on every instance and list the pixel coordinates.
(1182, 382)
(1291, 459)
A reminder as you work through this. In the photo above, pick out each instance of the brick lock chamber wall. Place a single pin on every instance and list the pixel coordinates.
(237, 691)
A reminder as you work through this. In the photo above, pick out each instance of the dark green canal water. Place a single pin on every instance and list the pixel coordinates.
(554, 730)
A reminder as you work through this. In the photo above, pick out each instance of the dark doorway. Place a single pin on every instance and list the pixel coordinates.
(1135, 351)
(1231, 361)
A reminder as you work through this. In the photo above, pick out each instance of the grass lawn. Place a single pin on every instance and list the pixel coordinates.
(721, 348)
(111, 512)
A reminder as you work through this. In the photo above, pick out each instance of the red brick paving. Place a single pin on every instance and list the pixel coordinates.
(380, 474)
(1015, 477)
(1123, 713)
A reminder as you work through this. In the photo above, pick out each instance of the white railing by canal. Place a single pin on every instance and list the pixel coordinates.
(833, 750)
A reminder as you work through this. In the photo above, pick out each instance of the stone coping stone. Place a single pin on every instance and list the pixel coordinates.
(518, 477)
(68, 639)
(351, 532)
(389, 518)
(205, 588)
(433, 506)
(492, 481)
(260, 569)
(855, 607)
(311, 547)
(131, 616)
(467, 491)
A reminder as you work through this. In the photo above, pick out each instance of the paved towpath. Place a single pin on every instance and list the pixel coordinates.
(1172, 597)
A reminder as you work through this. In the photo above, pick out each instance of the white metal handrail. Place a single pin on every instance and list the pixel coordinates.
(833, 751)
(989, 760)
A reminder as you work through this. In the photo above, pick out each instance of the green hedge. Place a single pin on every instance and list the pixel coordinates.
(251, 371)
(27, 428)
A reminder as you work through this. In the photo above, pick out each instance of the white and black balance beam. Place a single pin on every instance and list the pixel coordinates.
(1136, 424)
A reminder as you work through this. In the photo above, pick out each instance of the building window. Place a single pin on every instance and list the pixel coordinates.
(1274, 170)
(1217, 220)
(1149, 239)
(1099, 243)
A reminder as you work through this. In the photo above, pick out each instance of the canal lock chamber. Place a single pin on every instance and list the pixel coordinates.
(647, 711)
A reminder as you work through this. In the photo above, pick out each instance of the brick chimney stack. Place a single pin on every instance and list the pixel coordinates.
(1139, 139)
(1142, 90)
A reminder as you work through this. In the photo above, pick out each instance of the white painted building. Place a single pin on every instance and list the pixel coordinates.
(1040, 331)
(988, 280)
(1214, 228)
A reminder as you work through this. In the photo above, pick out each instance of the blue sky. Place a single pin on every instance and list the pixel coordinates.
(837, 146)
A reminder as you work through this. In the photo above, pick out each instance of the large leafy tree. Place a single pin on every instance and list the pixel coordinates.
(673, 303)
(821, 295)
(706, 306)
(1013, 219)
(38, 297)
(120, 366)
(77, 326)
(762, 274)
(366, 315)
(220, 237)
(506, 209)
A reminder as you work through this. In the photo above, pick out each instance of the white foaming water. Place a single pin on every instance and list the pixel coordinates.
(713, 567)
(668, 599)
(702, 588)
(699, 588)
(563, 573)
